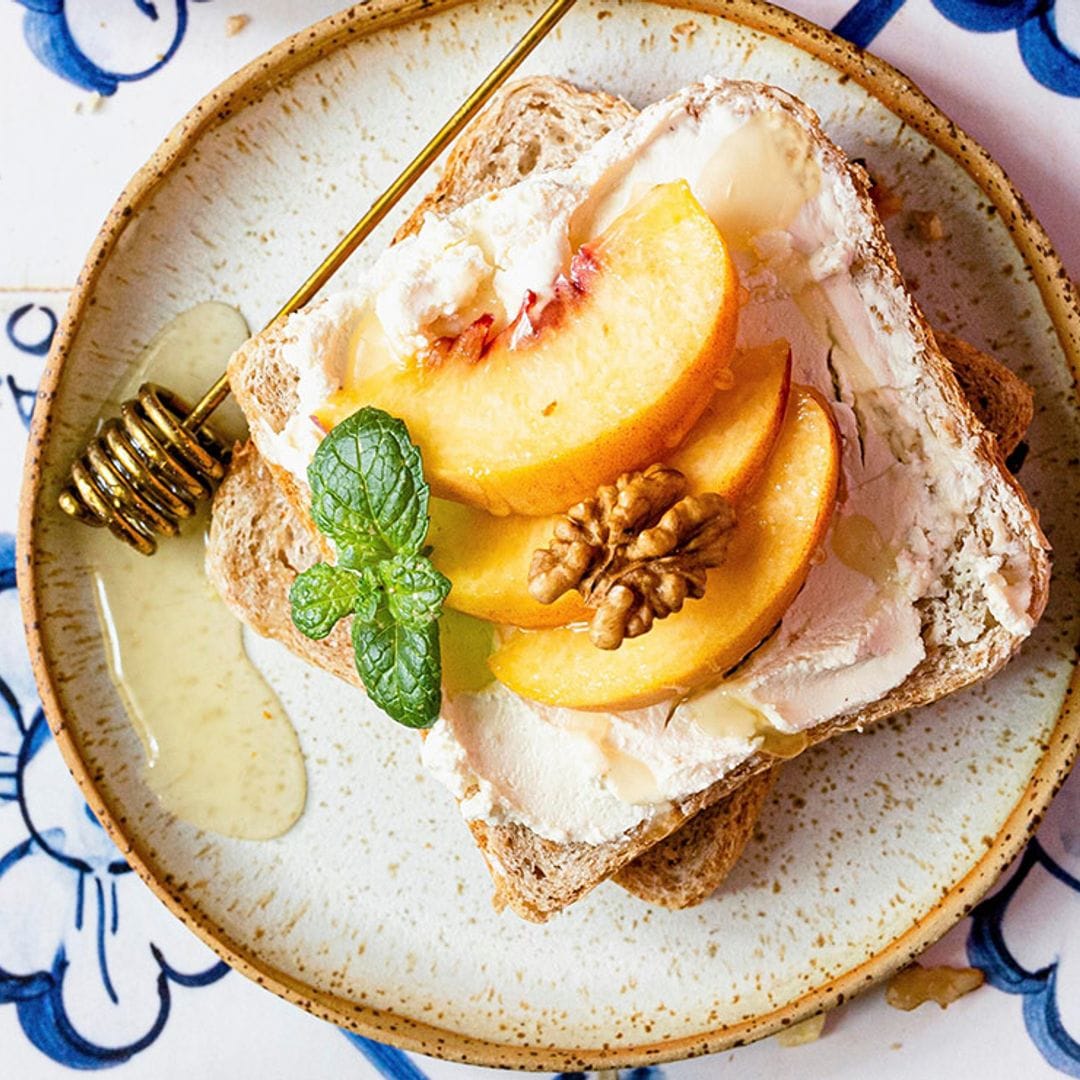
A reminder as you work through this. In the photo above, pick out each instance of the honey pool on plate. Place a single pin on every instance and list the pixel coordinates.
(221, 753)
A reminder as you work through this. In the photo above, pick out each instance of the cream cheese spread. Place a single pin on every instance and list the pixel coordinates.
(855, 630)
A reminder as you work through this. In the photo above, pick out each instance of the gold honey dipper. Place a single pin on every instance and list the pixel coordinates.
(150, 468)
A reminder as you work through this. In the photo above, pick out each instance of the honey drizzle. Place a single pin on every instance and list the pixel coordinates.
(221, 753)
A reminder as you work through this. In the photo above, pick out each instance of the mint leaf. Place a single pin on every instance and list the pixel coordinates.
(415, 590)
(323, 594)
(368, 493)
(400, 667)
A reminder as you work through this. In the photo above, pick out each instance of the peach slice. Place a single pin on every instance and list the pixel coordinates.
(487, 557)
(780, 527)
(729, 445)
(614, 371)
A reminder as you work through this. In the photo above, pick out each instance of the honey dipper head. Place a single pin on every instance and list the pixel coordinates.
(146, 470)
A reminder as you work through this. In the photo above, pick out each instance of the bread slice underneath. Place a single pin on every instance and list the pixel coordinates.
(539, 877)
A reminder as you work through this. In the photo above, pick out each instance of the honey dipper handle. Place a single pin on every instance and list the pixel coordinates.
(390, 197)
(208, 403)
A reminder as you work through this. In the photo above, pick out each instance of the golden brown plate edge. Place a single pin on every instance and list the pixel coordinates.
(1058, 293)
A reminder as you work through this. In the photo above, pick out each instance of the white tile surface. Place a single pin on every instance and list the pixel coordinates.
(64, 155)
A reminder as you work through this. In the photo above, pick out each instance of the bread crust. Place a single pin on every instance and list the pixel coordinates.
(1002, 401)
(688, 866)
(533, 124)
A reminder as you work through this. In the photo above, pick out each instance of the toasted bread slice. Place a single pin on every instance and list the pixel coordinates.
(1002, 401)
(688, 866)
(538, 876)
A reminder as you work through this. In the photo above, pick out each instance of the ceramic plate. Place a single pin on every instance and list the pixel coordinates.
(374, 910)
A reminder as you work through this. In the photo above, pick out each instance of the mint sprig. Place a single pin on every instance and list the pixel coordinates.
(369, 498)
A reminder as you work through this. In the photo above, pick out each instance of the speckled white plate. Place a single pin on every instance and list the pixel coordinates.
(374, 910)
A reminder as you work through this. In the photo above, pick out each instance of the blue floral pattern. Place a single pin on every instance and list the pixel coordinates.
(24, 396)
(86, 993)
(1046, 56)
(1031, 959)
(390, 1062)
(91, 974)
(48, 33)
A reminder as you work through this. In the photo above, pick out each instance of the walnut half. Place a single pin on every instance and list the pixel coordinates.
(635, 552)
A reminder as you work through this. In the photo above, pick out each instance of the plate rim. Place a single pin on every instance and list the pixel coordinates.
(1059, 296)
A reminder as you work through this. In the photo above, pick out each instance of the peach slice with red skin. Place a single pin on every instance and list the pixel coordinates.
(487, 557)
(612, 373)
(780, 526)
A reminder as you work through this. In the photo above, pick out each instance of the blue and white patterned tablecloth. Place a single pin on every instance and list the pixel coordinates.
(94, 974)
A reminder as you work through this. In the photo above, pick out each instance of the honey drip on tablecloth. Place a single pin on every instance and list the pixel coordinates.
(221, 752)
